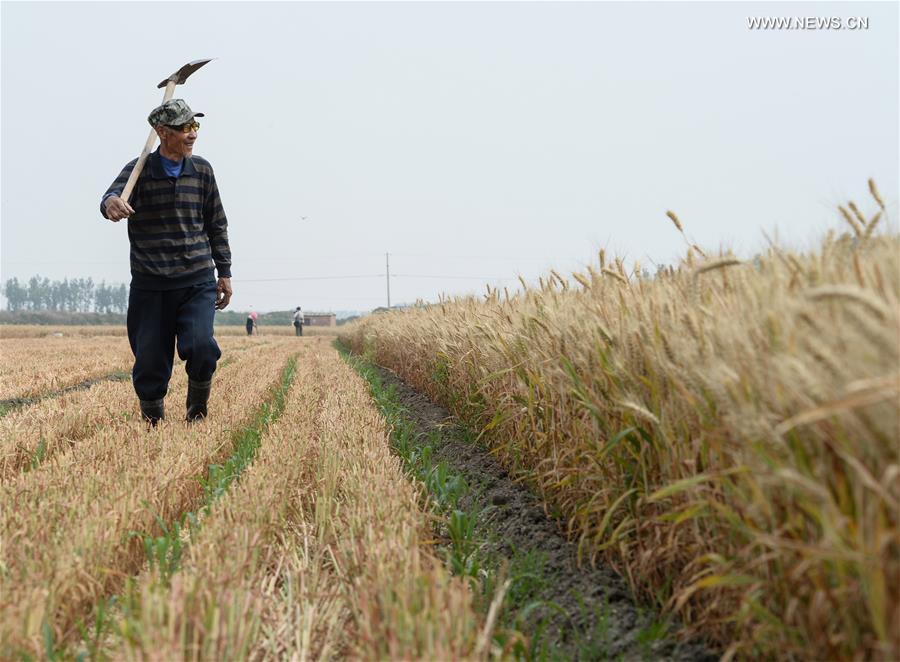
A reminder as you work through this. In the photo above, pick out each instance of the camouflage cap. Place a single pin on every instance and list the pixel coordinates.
(173, 112)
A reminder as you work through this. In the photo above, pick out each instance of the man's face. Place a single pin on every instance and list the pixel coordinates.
(175, 141)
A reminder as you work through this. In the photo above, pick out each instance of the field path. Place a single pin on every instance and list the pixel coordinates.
(588, 612)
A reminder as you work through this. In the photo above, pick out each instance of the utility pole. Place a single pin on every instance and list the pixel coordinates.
(387, 276)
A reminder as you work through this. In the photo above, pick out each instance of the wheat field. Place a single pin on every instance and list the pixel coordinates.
(724, 433)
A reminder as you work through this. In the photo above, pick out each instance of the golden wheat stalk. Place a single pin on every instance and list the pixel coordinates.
(870, 228)
(858, 395)
(852, 222)
(678, 226)
(874, 191)
(851, 293)
(712, 265)
(585, 283)
(638, 409)
(857, 213)
(619, 277)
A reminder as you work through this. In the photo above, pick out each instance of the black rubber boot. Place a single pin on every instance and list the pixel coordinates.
(197, 397)
(153, 411)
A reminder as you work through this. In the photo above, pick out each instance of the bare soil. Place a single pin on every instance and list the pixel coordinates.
(587, 612)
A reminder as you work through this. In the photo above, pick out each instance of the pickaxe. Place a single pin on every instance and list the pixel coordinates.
(169, 83)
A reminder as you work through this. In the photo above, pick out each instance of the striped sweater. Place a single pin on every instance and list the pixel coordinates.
(178, 230)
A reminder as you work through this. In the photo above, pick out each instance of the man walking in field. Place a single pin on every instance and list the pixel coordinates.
(178, 234)
(298, 322)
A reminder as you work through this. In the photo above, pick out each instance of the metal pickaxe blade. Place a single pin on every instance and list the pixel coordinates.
(182, 74)
(175, 79)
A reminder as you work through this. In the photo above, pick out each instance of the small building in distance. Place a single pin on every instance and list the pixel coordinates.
(319, 319)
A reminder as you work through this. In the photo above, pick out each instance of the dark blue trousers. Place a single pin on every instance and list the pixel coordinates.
(155, 319)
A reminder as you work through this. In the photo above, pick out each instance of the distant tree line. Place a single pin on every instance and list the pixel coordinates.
(71, 295)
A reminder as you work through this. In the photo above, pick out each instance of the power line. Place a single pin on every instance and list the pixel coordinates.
(276, 258)
(455, 277)
(271, 280)
(330, 298)
(435, 276)
(475, 257)
(357, 256)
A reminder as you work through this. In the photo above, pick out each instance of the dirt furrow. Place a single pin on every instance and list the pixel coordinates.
(580, 612)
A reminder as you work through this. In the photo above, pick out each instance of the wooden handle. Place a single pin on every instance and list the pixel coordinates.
(148, 147)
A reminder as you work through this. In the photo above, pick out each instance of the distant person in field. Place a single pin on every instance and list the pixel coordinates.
(298, 322)
(179, 240)
(251, 323)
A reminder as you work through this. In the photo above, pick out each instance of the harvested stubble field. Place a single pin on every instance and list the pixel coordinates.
(60, 367)
(282, 527)
(42, 365)
(725, 434)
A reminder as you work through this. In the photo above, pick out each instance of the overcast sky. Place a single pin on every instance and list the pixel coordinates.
(477, 141)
